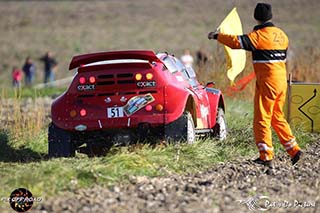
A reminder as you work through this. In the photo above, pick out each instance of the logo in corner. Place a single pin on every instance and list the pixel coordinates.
(253, 203)
(21, 200)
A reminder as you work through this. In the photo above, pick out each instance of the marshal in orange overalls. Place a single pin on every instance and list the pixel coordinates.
(268, 45)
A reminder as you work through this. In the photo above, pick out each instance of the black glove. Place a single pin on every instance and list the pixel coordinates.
(213, 35)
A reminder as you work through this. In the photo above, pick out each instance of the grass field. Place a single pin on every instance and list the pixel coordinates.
(31, 92)
(24, 162)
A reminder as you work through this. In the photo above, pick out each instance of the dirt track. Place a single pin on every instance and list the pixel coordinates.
(218, 189)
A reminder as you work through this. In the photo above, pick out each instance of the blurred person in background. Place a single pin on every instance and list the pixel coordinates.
(202, 57)
(16, 77)
(187, 58)
(50, 66)
(29, 70)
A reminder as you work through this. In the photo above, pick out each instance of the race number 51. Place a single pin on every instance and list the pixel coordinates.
(115, 112)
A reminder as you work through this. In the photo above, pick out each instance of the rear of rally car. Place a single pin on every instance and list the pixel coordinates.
(115, 97)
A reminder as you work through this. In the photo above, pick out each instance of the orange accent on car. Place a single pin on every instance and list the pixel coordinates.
(149, 76)
(159, 107)
(138, 76)
(73, 113)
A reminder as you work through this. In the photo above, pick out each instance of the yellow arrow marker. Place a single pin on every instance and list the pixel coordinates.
(303, 106)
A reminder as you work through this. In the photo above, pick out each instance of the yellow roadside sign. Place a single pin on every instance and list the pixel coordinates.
(303, 105)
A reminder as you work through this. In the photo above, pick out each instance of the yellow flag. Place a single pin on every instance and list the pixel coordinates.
(236, 59)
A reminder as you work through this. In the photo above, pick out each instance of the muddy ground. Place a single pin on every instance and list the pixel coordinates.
(225, 187)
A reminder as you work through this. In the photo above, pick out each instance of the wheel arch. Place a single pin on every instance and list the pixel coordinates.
(190, 106)
(221, 103)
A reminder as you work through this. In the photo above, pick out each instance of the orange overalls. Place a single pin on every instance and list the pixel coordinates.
(268, 45)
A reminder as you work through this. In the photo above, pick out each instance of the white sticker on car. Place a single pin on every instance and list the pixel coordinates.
(179, 78)
(115, 112)
(204, 111)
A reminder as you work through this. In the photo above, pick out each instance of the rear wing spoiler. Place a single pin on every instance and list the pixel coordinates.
(80, 60)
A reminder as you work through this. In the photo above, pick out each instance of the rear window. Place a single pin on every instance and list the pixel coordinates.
(170, 64)
(191, 72)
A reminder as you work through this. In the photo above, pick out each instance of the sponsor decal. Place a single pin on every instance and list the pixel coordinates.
(142, 84)
(86, 87)
(137, 102)
(213, 91)
(204, 111)
(179, 78)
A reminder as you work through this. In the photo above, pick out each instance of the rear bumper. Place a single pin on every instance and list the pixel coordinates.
(108, 137)
(131, 122)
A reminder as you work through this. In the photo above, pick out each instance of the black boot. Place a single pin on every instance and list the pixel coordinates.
(267, 163)
(296, 158)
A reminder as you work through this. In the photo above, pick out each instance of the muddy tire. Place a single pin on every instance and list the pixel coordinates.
(181, 130)
(59, 142)
(220, 129)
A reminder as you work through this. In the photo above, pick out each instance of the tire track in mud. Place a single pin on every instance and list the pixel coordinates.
(218, 189)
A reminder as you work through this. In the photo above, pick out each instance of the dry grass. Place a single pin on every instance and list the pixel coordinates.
(68, 28)
(22, 118)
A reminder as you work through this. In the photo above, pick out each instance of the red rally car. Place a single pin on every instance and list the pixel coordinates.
(125, 96)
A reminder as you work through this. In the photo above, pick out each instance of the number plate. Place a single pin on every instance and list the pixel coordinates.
(115, 112)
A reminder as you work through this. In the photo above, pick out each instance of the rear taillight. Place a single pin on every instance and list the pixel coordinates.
(82, 80)
(159, 107)
(149, 76)
(83, 112)
(148, 108)
(92, 79)
(73, 113)
(138, 76)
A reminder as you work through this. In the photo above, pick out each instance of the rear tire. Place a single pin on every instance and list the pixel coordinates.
(220, 129)
(181, 129)
(59, 142)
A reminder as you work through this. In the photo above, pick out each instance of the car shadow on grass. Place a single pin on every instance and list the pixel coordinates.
(22, 154)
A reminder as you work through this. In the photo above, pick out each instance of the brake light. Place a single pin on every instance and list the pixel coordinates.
(149, 76)
(92, 79)
(148, 108)
(83, 112)
(82, 80)
(138, 76)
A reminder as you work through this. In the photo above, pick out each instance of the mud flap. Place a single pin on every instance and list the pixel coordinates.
(178, 130)
(59, 142)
